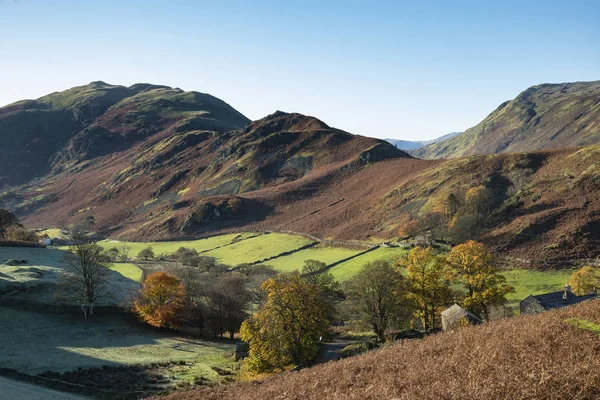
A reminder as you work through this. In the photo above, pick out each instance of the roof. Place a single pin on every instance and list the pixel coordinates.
(557, 300)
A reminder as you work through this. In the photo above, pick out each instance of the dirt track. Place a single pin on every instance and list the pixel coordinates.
(16, 390)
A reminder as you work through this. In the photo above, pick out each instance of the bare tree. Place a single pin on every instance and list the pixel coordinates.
(86, 276)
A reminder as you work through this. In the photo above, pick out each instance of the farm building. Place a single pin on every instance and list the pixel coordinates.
(455, 316)
(544, 302)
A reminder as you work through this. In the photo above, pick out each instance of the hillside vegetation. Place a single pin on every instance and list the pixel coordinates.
(551, 355)
(542, 117)
(162, 163)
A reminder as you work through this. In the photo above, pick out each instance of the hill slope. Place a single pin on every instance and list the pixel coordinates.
(162, 163)
(97, 119)
(542, 117)
(546, 356)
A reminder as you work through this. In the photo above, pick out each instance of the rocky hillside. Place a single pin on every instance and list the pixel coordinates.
(163, 163)
(89, 121)
(555, 355)
(542, 117)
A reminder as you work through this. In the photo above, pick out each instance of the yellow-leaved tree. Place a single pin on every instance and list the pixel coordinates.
(473, 266)
(161, 301)
(585, 280)
(427, 281)
(287, 329)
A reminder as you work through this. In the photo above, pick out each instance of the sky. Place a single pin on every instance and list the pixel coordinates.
(412, 70)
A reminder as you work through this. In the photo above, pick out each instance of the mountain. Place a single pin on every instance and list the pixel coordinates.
(407, 145)
(542, 117)
(96, 119)
(152, 162)
(506, 359)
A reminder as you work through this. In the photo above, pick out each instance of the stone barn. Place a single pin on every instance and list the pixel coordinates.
(544, 302)
(455, 316)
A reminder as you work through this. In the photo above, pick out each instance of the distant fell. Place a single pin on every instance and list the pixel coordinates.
(408, 145)
(545, 116)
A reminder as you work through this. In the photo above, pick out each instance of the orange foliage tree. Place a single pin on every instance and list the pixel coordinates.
(161, 301)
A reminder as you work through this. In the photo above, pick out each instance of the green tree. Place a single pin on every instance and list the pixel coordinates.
(473, 266)
(287, 329)
(585, 280)
(377, 293)
(113, 254)
(146, 254)
(314, 272)
(427, 284)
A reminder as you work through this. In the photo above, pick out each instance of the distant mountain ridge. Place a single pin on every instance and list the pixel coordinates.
(545, 116)
(408, 145)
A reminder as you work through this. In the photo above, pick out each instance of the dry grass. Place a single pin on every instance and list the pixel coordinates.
(529, 357)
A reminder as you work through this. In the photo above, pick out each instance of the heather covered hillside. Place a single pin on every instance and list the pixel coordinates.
(158, 163)
(97, 119)
(555, 355)
(546, 116)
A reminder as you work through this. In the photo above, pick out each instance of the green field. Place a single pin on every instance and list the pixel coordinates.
(295, 261)
(257, 248)
(528, 282)
(128, 271)
(348, 269)
(172, 246)
(253, 249)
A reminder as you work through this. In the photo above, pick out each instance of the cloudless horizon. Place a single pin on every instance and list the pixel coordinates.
(397, 69)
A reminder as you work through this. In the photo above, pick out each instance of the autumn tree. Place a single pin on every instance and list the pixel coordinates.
(449, 206)
(7, 219)
(287, 329)
(161, 301)
(433, 223)
(377, 293)
(464, 227)
(85, 278)
(585, 280)
(479, 201)
(473, 266)
(146, 254)
(427, 284)
(19, 234)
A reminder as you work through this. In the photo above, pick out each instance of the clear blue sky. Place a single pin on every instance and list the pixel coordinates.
(405, 69)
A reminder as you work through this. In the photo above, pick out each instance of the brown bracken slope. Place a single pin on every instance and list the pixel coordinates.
(163, 163)
(545, 356)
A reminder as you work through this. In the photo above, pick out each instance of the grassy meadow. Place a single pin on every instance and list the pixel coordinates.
(258, 248)
(128, 270)
(172, 246)
(295, 261)
(234, 249)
